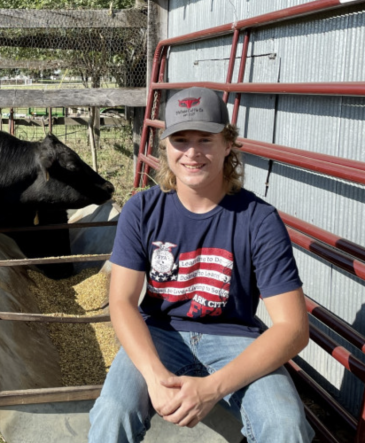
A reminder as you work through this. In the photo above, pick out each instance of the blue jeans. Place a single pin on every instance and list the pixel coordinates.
(269, 408)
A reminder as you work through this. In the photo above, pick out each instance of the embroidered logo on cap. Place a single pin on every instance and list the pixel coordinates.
(189, 102)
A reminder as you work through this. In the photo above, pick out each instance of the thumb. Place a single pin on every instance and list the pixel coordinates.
(171, 382)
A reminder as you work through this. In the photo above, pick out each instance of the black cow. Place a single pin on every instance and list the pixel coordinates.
(39, 181)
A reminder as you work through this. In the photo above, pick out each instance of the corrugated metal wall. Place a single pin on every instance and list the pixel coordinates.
(327, 47)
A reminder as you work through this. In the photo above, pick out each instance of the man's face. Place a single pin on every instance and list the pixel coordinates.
(197, 158)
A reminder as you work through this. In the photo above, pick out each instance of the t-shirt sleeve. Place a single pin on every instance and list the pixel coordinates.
(128, 250)
(273, 260)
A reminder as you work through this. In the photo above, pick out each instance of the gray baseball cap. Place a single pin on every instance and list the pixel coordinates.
(195, 108)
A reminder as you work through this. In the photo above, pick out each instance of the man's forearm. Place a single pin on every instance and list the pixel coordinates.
(278, 344)
(136, 340)
(267, 353)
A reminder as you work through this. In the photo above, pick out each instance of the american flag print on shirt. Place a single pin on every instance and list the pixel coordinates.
(202, 276)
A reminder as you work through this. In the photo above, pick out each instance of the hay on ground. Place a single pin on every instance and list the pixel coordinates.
(86, 350)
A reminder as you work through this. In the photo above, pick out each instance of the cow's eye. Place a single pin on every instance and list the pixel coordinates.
(71, 167)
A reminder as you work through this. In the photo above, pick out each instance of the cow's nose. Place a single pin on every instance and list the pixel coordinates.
(109, 187)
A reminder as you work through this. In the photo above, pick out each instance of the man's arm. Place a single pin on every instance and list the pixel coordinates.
(283, 340)
(133, 334)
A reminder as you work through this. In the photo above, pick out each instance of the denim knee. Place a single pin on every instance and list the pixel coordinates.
(271, 410)
(122, 412)
(285, 428)
(118, 421)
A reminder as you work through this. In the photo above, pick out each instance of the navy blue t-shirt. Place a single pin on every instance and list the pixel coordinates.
(205, 272)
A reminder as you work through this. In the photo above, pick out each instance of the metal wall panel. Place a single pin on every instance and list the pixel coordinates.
(326, 47)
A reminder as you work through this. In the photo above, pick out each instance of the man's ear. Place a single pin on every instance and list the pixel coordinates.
(46, 156)
(228, 148)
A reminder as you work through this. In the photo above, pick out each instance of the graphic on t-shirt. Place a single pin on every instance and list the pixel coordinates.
(162, 258)
(202, 276)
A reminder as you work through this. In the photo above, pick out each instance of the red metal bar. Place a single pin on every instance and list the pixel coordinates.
(144, 135)
(325, 435)
(149, 104)
(155, 123)
(315, 155)
(324, 236)
(338, 352)
(335, 323)
(232, 59)
(350, 89)
(149, 160)
(296, 371)
(282, 15)
(344, 172)
(360, 434)
(350, 265)
(241, 74)
(155, 114)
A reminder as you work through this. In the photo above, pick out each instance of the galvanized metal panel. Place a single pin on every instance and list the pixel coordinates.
(186, 16)
(255, 8)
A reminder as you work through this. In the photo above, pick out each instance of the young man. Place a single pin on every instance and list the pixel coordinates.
(209, 249)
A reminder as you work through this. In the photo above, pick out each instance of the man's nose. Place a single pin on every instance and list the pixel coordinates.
(192, 150)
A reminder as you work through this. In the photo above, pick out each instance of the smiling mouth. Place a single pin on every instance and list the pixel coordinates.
(193, 166)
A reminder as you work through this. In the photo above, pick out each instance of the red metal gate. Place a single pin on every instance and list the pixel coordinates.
(341, 252)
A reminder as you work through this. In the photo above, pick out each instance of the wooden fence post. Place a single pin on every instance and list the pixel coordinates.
(92, 139)
(50, 121)
(11, 122)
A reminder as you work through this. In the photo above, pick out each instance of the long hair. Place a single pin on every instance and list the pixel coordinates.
(233, 172)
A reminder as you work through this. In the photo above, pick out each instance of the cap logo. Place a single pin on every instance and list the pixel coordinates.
(189, 102)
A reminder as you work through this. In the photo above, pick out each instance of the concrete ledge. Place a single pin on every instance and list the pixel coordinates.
(68, 422)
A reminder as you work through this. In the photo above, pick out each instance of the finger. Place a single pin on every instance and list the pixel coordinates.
(171, 382)
(168, 411)
(171, 407)
(176, 417)
(189, 421)
(193, 423)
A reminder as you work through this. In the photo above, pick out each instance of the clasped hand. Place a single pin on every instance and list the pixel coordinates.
(184, 401)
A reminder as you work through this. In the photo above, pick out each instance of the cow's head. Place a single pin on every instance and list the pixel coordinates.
(66, 181)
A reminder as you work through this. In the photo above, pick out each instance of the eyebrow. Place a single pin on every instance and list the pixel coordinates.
(183, 133)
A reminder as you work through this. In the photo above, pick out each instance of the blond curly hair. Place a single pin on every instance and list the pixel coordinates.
(233, 169)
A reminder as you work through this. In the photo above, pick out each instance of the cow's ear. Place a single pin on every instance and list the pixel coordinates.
(46, 156)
